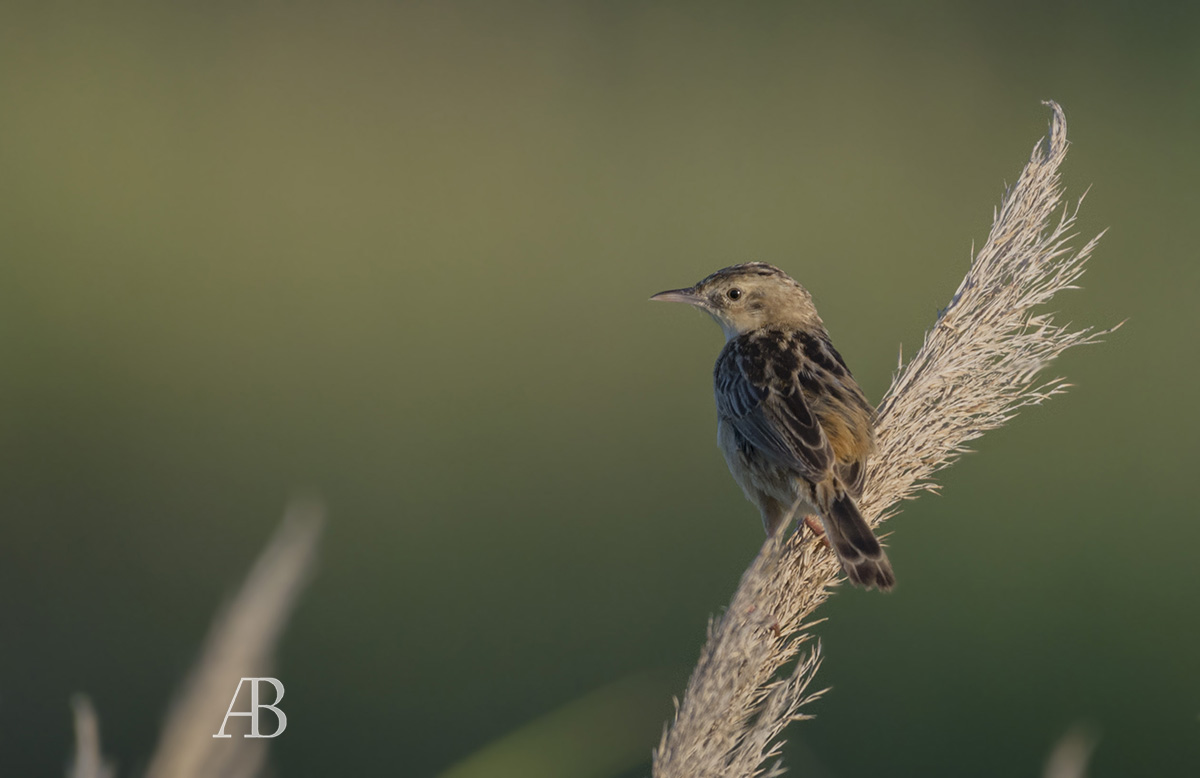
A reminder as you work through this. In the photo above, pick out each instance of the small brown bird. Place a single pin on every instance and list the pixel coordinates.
(793, 424)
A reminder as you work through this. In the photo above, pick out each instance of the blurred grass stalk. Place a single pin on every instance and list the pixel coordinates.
(599, 735)
(240, 644)
(1071, 753)
(977, 367)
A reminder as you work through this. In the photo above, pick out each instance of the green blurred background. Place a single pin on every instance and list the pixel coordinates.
(399, 254)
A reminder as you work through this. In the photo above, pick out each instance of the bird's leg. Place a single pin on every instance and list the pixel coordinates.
(775, 514)
(818, 531)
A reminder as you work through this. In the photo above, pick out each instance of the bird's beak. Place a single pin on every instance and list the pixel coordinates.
(688, 296)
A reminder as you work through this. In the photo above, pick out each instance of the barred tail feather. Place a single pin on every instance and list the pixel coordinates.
(856, 546)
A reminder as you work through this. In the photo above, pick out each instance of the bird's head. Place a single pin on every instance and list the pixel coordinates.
(743, 298)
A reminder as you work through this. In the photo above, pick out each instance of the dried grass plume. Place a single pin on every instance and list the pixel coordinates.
(980, 363)
(241, 643)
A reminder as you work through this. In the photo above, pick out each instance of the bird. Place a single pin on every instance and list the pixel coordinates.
(795, 428)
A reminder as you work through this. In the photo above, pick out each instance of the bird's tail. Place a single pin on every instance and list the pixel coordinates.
(851, 538)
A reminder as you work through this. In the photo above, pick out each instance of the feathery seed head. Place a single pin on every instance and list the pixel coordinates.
(978, 366)
(746, 297)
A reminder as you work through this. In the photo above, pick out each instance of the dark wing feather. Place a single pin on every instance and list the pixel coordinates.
(852, 475)
(771, 414)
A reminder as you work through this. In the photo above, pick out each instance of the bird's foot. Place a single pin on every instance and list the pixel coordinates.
(818, 531)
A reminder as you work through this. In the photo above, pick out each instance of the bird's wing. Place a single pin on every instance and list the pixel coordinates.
(852, 475)
(771, 415)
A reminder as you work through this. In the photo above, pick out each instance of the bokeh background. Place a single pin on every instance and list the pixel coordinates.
(399, 254)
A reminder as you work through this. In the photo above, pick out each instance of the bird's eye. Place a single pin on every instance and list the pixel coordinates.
(734, 294)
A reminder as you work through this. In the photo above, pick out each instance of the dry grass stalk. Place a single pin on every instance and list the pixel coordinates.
(1071, 754)
(89, 761)
(241, 643)
(976, 368)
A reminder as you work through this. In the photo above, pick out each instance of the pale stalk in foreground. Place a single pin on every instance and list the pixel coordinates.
(241, 643)
(976, 368)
